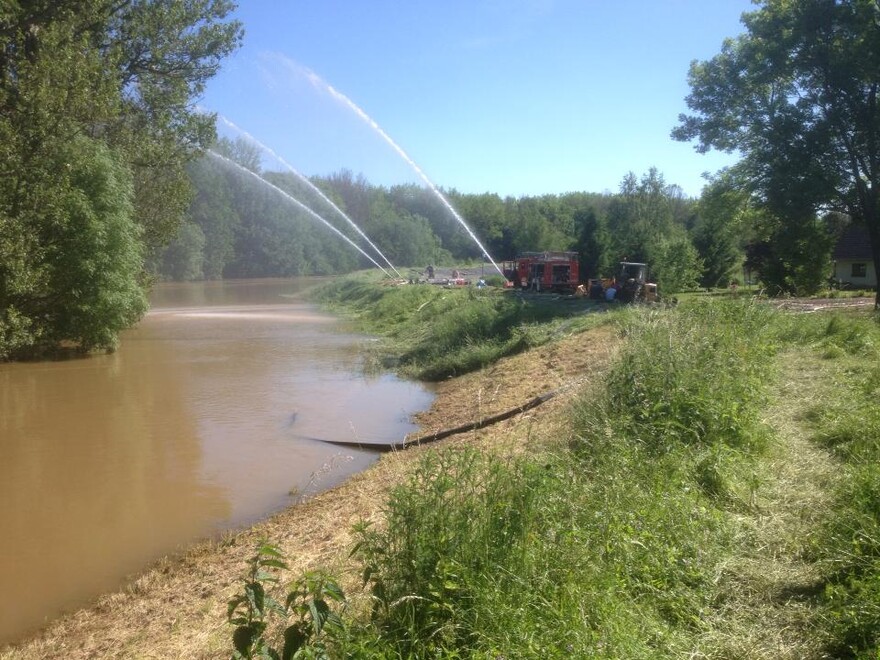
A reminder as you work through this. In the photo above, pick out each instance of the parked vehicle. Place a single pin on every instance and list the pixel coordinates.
(632, 280)
(629, 285)
(543, 271)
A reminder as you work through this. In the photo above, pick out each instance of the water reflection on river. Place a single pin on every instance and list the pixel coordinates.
(205, 419)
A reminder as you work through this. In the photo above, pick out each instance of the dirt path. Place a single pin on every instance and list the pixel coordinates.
(820, 304)
(177, 609)
(770, 586)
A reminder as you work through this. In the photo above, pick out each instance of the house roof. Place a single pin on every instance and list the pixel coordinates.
(853, 244)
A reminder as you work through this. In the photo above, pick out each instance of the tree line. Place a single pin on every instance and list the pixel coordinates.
(101, 190)
(239, 227)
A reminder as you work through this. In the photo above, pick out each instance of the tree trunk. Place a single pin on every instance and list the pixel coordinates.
(874, 235)
(869, 206)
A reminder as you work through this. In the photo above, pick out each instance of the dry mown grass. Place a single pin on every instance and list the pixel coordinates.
(177, 608)
(768, 610)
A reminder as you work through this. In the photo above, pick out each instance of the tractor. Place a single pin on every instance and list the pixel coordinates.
(633, 284)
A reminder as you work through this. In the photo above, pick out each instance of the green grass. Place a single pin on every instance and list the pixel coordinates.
(486, 556)
(603, 546)
(610, 542)
(848, 545)
(693, 376)
(836, 334)
(432, 332)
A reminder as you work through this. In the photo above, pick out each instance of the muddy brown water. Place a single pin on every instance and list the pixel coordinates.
(208, 417)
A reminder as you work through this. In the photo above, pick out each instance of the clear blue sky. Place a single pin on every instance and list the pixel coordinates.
(515, 97)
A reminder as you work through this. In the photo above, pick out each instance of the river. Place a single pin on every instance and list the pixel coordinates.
(208, 417)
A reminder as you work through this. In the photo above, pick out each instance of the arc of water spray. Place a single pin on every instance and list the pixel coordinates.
(311, 186)
(293, 199)
(315, 79)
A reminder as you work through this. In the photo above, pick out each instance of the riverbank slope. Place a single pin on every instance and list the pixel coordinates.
(178, 608)
(704, 483)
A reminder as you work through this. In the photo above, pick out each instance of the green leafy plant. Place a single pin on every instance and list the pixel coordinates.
(434, 333)
(308, 604)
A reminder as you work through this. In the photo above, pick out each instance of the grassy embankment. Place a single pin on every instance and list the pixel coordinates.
(716, 495)
(713, 494)
(432, 333)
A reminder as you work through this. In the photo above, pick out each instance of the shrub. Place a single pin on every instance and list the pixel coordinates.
(307, 614)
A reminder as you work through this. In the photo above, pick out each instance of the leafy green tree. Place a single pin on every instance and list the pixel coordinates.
(639, 214)
(269, 238)
(95, 101)
(40, 153)
(82, 283)
(212, 210)
(95, 256)
(485, 215)
(163, 53)
(353, 191)
(535, 224)
(184, 259)
(240, 151)
(406, 239)
(722, 219)
(647, 221)
(675, 262)
(419, 201)
(594, 245)
(796, 94)
(791, 255)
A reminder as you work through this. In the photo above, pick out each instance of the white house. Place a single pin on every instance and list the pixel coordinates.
(853, 266)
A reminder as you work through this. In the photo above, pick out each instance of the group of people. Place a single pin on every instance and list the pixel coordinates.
(429, 273)
(600, 292)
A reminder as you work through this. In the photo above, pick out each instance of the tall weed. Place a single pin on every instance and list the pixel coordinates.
(305, 624)
(460, 522)
(484, 556)
(695, 376)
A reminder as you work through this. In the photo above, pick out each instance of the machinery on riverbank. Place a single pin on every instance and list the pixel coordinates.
(634, 285)
(631, 284)
(559, 272)
(543, 271)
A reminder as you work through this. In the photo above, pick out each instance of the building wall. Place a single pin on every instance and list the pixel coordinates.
(843, 272)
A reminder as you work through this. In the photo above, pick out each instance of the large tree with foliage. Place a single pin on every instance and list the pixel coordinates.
(796, 94)
(648, 221)
(96, 124)
(723, 214)
(593, 244)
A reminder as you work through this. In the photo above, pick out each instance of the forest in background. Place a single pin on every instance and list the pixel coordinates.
(103, 191)
(238, 227)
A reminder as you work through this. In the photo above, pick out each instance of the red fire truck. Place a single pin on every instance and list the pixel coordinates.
(543, 271)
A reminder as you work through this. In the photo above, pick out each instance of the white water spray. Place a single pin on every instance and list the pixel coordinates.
(316, 80)
(311, 186)
(293, 199)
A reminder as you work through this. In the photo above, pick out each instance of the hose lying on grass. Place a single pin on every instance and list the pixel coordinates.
(445, 433)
